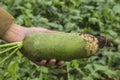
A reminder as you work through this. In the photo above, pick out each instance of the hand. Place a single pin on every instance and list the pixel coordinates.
(17, 33)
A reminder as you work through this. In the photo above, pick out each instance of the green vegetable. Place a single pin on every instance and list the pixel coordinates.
(61, 46)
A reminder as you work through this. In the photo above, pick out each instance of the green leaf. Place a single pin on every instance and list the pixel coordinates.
(116, 8)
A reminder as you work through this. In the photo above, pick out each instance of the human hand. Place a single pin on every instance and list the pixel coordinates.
(17, 33)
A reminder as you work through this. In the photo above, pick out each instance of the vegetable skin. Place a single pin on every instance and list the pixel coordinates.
(61, 46)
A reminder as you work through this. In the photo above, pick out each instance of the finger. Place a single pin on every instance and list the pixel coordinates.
(43, 30)
(60, 62)
(47, 31)
(41, 63)
(51, 62)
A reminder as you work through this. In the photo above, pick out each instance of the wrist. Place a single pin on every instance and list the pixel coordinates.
(15, 33)
(5, 21)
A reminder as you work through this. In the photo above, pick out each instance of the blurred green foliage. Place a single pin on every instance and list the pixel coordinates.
(97, 17)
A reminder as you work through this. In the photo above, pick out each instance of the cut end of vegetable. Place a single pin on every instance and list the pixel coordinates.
(20, 44)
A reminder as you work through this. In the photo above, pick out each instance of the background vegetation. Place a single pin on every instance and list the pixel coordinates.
(97, 17)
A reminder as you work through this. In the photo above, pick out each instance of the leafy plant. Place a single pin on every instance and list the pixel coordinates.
(97, 17)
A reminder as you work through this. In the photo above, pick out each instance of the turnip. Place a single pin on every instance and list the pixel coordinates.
(61, 46)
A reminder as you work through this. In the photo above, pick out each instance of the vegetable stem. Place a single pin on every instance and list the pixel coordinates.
(9, 55)
(20, 44)
(9, 44)
(8, 49)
